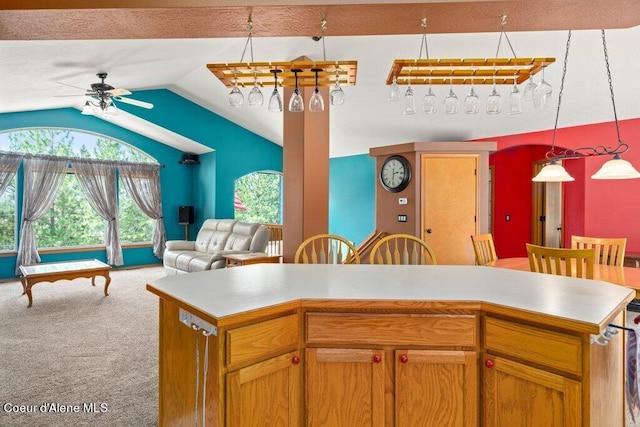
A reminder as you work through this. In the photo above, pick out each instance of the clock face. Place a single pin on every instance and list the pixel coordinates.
(395, 174)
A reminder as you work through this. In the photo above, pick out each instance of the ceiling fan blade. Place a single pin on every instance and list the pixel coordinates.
(118, 92)
(134, 102)
(75, 87)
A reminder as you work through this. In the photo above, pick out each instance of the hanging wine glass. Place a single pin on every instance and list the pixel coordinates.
(409, 101)
(316, 102)
(472, 102)
(529, 88)
(236, 99)
(542, 93)
(394, 90)
(515, 98)
(430, 101)
(296, 103)
(451, 102)
(337, 95)
(275, 102)
(494, 101)
(255, 97)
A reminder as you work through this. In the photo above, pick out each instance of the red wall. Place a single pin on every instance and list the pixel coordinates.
(599, 208)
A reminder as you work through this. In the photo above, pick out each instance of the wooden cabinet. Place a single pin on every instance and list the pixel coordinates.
(534, 376)
(438, 387)
(394, 367)
(447, 198)
(518, 394)
(263, 391)
(265, 394)
(431, 382)
(345, 387)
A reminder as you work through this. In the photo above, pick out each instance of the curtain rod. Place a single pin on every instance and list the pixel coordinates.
(82, 159)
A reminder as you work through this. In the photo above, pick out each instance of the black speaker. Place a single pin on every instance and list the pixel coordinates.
(185, 214)
(189, 159)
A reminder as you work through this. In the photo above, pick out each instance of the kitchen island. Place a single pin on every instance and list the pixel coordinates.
(292, 344)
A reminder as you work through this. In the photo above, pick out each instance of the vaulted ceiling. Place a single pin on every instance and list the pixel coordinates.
(145, 44)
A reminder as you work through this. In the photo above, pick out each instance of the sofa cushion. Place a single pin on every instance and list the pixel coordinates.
(214, 233)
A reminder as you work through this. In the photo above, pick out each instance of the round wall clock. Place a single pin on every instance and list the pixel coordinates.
(395, 173)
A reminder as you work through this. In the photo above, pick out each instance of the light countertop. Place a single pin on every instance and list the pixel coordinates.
(226, 292)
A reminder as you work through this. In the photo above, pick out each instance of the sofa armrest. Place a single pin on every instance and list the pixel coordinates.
(177, 245)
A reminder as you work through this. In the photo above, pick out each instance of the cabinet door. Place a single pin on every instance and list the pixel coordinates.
(517, 394)
(436, 388)
(265, 394)
(345, 387)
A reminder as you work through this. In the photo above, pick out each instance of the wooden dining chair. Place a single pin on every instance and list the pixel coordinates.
(562, 262)
(484, 249)
(609, 251)
(402, 249)
(326, 249)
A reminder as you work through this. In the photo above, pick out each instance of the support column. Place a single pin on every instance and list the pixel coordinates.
(305, 172)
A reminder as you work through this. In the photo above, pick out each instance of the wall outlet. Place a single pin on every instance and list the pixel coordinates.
(402, 218)
(196, 323)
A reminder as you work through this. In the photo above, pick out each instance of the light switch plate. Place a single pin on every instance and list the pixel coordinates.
(402, 201)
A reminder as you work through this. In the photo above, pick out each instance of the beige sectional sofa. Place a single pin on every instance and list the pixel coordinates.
(216, 238)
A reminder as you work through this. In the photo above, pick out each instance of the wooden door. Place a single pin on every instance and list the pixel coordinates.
(449, 205)
(344, 387)
(517, 394)
(436, 388)
(265, 394)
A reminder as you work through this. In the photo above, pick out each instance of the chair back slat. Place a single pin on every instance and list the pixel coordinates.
(609, 251)
(326, 249)
(484, 249)
(562, 262)
(401, 249)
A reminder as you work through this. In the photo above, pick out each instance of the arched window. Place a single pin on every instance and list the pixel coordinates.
(258, 197)
(71, 221)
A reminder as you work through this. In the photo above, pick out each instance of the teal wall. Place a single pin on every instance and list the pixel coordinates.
(352, 196)
(207, 186)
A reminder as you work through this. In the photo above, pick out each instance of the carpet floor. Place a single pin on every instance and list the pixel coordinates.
(78, 358)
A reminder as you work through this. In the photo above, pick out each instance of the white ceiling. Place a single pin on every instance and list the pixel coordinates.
(31, 71)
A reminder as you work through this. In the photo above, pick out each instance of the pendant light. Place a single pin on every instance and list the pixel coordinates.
(553, 171)
(616, 168)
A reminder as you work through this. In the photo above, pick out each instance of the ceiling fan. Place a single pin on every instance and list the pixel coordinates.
(103, 95)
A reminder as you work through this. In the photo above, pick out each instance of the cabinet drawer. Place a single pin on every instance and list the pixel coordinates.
(549, 348)
(439, 330)
(262, 339)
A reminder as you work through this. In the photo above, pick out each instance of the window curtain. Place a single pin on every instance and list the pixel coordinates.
(42, 180)
(98, 183)
(142, 183)
(8, 167)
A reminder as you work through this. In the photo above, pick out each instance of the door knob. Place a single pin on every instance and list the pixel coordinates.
(429, 231)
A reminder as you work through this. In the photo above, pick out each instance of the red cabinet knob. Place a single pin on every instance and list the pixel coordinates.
(377, 358)
(488, 363)
(295, 360)
(404, 358)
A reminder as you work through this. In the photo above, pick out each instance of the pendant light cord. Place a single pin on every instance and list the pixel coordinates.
(564, 72)
(613, 102)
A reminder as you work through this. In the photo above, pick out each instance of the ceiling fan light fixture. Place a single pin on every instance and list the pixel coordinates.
(87, 109)
(553, 172)
(616, 168)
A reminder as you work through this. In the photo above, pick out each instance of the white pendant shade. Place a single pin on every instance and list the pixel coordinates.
(616, 168)
(553, 172)
(87, 110)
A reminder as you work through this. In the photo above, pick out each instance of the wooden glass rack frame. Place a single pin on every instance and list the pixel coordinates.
(244, 72)
(462, 71)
